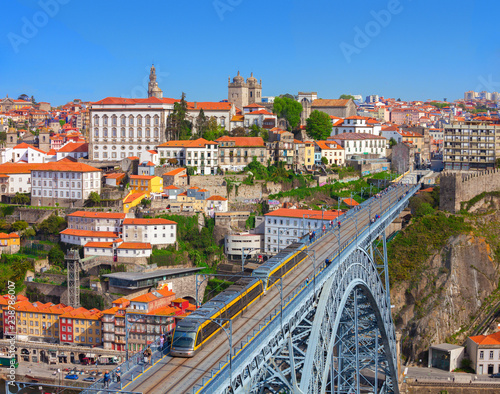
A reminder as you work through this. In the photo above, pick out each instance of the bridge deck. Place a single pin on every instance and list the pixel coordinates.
(179, 375)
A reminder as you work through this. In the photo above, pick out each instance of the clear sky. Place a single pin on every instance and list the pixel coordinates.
(58, 50)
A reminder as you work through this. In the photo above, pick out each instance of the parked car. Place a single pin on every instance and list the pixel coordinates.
(495, 375)
(71, 377)
(89, 379)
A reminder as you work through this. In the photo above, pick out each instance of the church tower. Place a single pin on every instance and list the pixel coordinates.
(254, 90)
(237, 91)
(153, 89)
(11, 138)
(44, 139)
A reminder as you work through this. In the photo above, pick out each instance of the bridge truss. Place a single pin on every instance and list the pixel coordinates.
(335, 337)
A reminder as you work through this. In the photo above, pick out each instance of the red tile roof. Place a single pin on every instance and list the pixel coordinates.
(200, 142)
(216, 198)
(147, 222)
(101, 215)
(175, 172)
(24, 145)
(329, 103)
(134, 245)
(75, 147)
(86, 233)
(306, 213)
(492, 339)
(134, 196)
(106, 245)
(242, 141)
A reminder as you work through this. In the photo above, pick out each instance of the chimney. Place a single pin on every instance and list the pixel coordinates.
(195, 105)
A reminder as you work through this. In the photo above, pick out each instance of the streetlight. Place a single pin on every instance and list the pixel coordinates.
(280, 231)
(303, 216)
(230, 339)
(314, 266)
(249, 251)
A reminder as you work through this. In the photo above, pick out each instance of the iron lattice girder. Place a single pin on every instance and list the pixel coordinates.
(357, 263)
(375, 349)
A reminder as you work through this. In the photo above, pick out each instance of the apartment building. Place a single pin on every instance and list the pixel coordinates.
(360, 144)
(331, 151)
(281, 148)
(64, 183)
(81, 327)
(285, 226)
(200, 154)
(96, 221)
(471, 145)
(149, 184)
(235, 153)
(160, 232)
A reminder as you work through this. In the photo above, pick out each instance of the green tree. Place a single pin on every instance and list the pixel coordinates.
(94, 199)
(178, 127)
(20, 225)
(264, 134)
(392, 142)
(201, 124)
(289, 109)
(53, 225)
(319, 125)
(238, 132)
(28, 233)
(324, 160)
(254, 131)
(213, 131)
(20, 198)
(346, 97)
(56, 256)
(146, 202)
(62, 122)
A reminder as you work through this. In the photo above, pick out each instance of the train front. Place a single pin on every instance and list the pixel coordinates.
(184, 339)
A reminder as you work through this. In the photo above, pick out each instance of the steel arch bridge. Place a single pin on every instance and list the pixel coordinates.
(335, 337)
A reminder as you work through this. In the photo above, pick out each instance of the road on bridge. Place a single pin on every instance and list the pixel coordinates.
(179, 375)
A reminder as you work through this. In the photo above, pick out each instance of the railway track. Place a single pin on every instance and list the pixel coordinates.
(179, 375)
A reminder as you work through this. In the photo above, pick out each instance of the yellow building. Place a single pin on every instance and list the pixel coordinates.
(9, 243)
(187, 203)
(133, 199)
(309, 155)
(38, 319)
(415, 138)
(81, 326)
(148, 184)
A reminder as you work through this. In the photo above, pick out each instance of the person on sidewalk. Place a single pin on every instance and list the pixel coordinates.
(118, 375)
(106, 379)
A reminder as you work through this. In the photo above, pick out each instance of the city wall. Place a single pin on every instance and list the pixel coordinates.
(456, 187)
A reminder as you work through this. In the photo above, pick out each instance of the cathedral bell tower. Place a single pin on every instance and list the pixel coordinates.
(153, 89)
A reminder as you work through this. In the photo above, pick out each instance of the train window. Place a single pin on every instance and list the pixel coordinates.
(184, 338)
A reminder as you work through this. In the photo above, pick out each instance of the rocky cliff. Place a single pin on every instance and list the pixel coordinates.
(456, 287)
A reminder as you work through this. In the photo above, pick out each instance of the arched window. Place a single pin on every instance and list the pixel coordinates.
(157, 120)
(131, 120)
(139, 132)
(139, 120)
(122, 120)
(96, 132)
(123, 132)
(105, 120)
(105, 132)
(113, 120)
(114, 132)
(96, 120)
(131, 133)
(148, 120)
(156, 132)
(148, 132)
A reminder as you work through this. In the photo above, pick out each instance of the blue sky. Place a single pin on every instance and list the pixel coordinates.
(420, 49)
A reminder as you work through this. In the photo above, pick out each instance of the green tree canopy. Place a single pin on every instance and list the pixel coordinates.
(289, 109)
(20, 225)
(20, 198)
(94, 199)
(201, 124)
(52, 225)
(178, 127)
(56, 256)
(392, 142)
(346, 97)
(213, 130)
(319, 125)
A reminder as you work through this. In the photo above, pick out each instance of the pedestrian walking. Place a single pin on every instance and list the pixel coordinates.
(145, 358)
(324, 228)
(162, 341)
(106, 379)
(339, 224)
(118, 375)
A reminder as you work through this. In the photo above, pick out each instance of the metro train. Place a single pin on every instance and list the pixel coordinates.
(198, 328)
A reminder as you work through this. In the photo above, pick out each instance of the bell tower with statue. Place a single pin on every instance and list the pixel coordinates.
(153, 89)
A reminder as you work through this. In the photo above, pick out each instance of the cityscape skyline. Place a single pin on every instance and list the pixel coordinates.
(80, 52)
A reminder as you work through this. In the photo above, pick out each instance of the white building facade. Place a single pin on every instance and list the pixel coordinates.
(63, 183)
(96, 221)
(361, 144)
(198, 153)
(153, 231)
